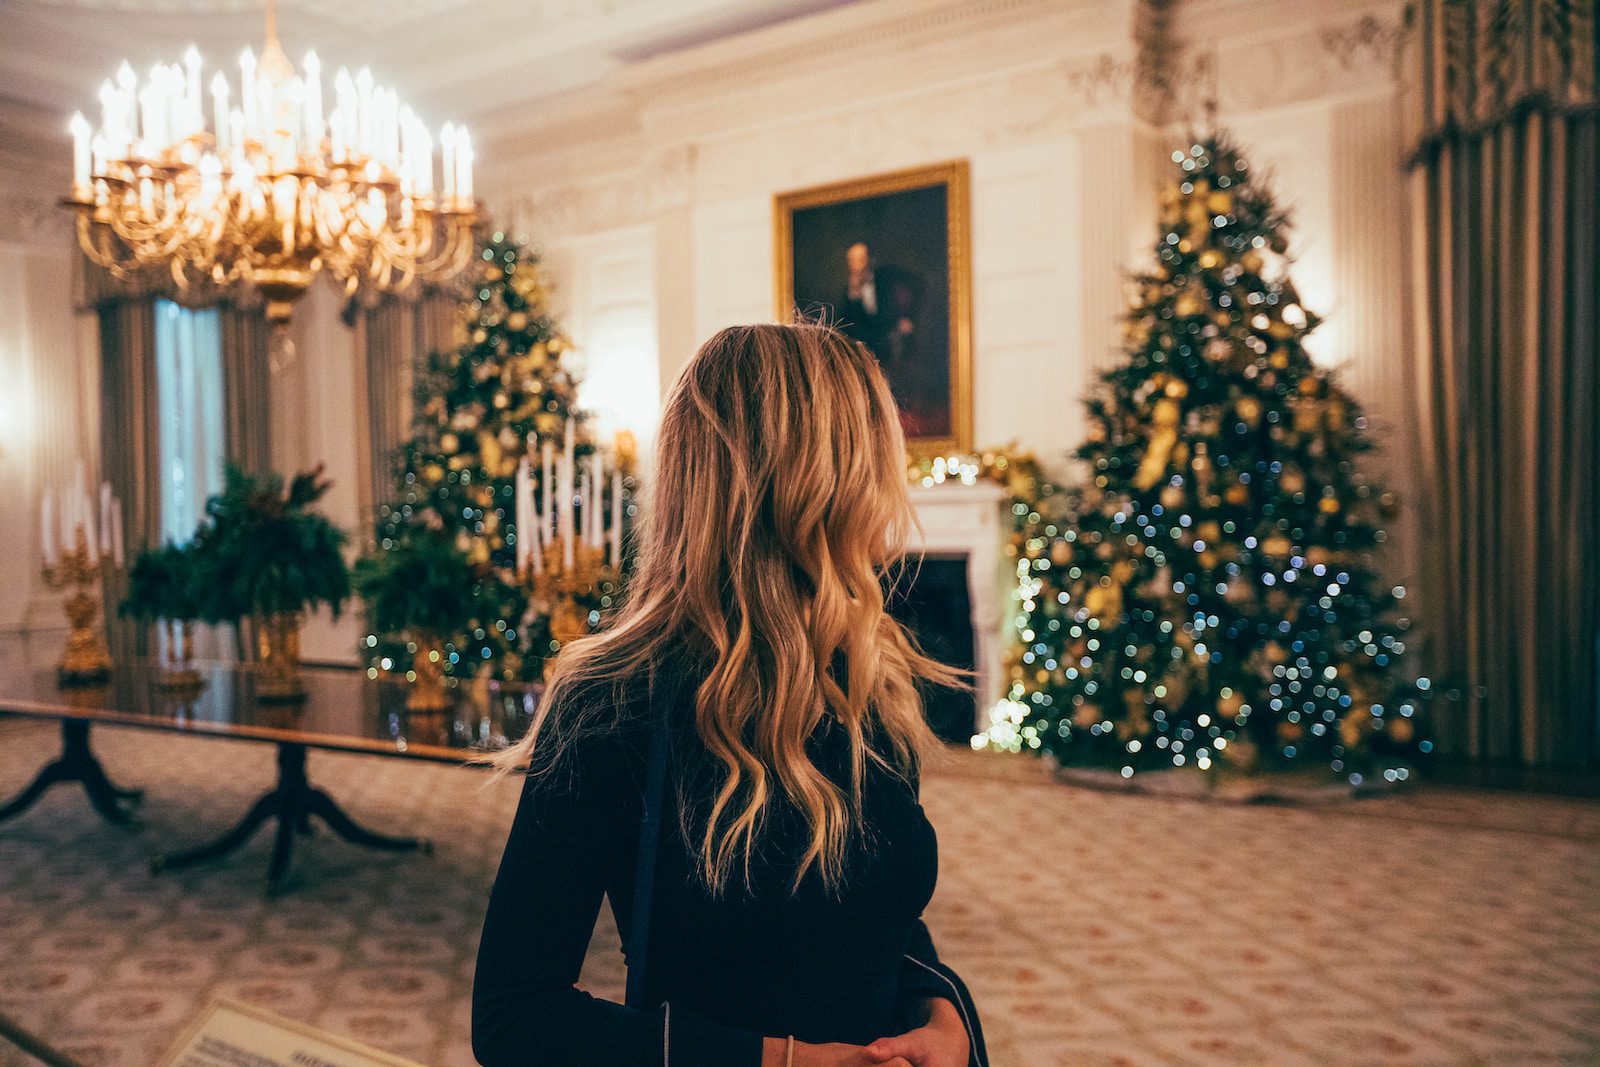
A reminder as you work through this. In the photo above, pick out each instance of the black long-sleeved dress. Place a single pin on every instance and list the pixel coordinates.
(852, 966)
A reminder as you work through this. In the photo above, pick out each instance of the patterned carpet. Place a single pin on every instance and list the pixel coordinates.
(1443, 927)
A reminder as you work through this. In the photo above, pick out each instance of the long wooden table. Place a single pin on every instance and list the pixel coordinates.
(344, 711)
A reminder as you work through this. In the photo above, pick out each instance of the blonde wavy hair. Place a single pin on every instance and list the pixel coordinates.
(777, 508)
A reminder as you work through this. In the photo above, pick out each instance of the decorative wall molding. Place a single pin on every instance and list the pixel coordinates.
(1250, 59)
(32, 219)
(1368, 43)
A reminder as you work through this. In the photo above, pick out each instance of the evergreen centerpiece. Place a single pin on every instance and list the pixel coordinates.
(265, 555)
(480, 406)
(421, 587)
(1212, 601)
(165, 588)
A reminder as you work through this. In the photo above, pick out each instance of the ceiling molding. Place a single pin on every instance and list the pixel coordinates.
(864, 30)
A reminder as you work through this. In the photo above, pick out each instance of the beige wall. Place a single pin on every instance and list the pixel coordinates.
(48, 364)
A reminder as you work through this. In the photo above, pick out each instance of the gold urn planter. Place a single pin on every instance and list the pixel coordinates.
(177, 662)
(427, 691)
(277, 657)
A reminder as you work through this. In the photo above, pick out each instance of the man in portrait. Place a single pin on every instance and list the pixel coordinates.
(859, 311)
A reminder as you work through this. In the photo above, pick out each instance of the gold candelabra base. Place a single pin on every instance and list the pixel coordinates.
(557, 587)
(85, 661)
(427, 691)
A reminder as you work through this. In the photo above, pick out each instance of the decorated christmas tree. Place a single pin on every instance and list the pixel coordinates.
(1211, 599)
(480, 408)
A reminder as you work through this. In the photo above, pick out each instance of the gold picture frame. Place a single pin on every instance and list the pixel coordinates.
(855, 200)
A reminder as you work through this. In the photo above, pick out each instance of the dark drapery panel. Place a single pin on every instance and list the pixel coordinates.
(246, 387)
(1504, 184)
(130, 444)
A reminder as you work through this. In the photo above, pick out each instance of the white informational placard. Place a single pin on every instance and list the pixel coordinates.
(230, 1033)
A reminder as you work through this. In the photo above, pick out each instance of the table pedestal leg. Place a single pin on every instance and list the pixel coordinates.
(77, 763)
(292, 803)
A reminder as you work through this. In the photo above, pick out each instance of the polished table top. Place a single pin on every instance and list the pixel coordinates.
(344, 709)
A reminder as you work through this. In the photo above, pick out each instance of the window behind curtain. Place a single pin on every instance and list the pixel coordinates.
(189, 399)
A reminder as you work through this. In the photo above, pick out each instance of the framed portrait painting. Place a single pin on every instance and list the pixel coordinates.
(886, 260)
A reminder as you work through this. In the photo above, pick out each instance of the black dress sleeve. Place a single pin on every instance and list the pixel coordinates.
(571, 826)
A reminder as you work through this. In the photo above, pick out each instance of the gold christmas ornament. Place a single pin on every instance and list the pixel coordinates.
(1350, 730)
(1163, 436)
(1242, 754)
(1307, 415)
(1085, 716)
(489, 449)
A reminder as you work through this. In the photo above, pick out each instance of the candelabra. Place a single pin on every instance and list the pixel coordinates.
(85, 661)
(556, 587)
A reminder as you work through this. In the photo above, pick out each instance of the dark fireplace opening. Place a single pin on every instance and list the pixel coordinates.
(933, 602)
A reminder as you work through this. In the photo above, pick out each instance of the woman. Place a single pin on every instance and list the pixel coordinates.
(784, 887)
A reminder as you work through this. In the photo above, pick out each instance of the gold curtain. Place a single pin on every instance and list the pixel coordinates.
(1504, 190)
(247, 387)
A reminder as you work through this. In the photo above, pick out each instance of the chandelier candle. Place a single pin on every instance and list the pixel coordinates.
(276, 189)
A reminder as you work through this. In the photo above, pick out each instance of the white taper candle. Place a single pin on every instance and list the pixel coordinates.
(547, 489)
(616, 518)
(105, 518)
(116, 531)
(47, 528)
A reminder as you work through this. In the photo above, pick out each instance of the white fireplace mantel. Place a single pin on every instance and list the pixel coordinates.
(966, 522)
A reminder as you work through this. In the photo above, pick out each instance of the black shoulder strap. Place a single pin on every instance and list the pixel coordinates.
(644, 877)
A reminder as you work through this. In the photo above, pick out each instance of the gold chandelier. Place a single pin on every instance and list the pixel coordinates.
(276, 189)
